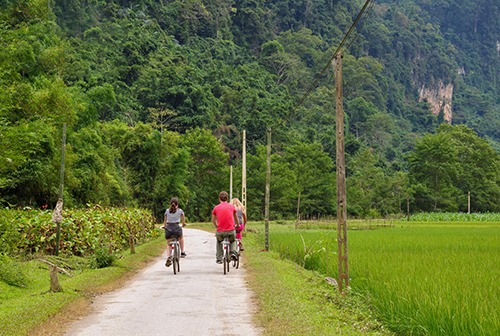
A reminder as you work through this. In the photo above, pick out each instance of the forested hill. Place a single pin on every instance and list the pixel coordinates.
(156, 95)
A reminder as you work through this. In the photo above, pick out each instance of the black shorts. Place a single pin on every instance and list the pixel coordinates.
(172, 231)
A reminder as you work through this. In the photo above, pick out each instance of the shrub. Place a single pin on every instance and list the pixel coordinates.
(11, 273)
(102, 257)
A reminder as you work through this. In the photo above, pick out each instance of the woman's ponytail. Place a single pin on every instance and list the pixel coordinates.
(174, 204)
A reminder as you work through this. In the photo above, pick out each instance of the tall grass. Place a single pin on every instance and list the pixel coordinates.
(422, 279)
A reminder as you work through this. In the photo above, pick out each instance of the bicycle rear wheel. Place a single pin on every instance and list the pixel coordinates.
(175, 259)
(224, 257)
(178, 257)
(224, 262)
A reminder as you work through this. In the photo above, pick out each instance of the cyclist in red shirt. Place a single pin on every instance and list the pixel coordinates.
(223, 218)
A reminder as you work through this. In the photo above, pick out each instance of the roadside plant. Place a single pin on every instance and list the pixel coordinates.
(10, 272)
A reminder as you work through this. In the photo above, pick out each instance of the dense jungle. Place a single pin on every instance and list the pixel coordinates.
(156, 95)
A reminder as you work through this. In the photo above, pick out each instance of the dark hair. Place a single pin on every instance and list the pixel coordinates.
(223, 196)
(174, 203)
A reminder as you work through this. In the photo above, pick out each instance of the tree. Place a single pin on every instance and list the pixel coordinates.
(480, 168)
(208, 172)
(435, 164)
(313, 169)
(283, 188)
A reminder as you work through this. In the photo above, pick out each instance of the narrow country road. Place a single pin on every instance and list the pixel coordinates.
(200, 300)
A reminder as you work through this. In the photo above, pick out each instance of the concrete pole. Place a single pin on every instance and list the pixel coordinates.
(244, 174)
(231, 185)
(468, 202)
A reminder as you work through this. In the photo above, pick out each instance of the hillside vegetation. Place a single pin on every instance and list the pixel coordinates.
(156, 95)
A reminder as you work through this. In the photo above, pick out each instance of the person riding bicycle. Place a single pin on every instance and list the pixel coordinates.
(223, 218)
(242, 218)
(173, 217)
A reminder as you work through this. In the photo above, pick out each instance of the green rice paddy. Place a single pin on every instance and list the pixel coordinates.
(422, 278)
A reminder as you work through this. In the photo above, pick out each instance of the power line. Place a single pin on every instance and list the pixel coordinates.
(313, 85)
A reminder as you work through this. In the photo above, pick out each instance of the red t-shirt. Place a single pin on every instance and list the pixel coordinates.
(225, 216)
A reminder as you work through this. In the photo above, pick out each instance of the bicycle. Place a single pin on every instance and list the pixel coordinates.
(236, 262)
(226, 251)
(175, 254)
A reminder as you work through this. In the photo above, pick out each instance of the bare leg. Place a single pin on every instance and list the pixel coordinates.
(169, 252)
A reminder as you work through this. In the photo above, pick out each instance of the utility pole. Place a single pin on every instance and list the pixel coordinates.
(298, 213)
(341, 185)
(57, 214)
(244, 174)
(268, 186)
(231, 185)
(408, 208)
(468, 202)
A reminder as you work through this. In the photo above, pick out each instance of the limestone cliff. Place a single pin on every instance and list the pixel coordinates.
(440, 98)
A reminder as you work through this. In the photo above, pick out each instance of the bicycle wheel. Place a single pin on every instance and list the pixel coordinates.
(174, 259)
(228, 259)
(236, 263)
(224, 258)
(178, 257)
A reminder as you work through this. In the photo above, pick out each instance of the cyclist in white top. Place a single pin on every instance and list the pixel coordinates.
(173, 217)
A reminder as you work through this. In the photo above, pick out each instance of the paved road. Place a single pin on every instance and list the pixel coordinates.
(200, 300)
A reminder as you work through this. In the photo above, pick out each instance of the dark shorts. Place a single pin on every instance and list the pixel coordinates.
(172, 231)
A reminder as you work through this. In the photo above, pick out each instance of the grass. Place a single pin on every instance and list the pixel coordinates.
(34, 310)
(423, 278)
(296, 301)
(291, 300)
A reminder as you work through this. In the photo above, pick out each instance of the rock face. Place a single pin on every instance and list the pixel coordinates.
(440, 98)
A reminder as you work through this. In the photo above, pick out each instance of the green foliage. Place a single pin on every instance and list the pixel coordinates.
(316, 180)
(102, 256)
(208, 173)
(10, 272)
(395, 270)
(451, 163)
(133, 79)
(456, 217)
(82, 231)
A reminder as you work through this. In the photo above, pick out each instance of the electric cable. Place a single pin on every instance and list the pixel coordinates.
(313, 85)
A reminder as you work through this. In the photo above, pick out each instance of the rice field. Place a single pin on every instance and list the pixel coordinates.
(422, 278)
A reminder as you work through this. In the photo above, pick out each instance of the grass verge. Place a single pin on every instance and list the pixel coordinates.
(34, 310)
(295, 301)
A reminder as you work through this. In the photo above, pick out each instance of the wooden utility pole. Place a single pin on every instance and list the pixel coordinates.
(231, 185)
(298, 212)
(244, 174)
(268, 186)
(341, 185)
(57, 214)
(408, 208)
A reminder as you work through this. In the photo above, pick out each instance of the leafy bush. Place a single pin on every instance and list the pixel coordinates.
(8, 235)
(102, 257)
(29, 232)
(10, 272)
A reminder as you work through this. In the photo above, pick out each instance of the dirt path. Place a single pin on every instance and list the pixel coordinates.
(200, 300)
